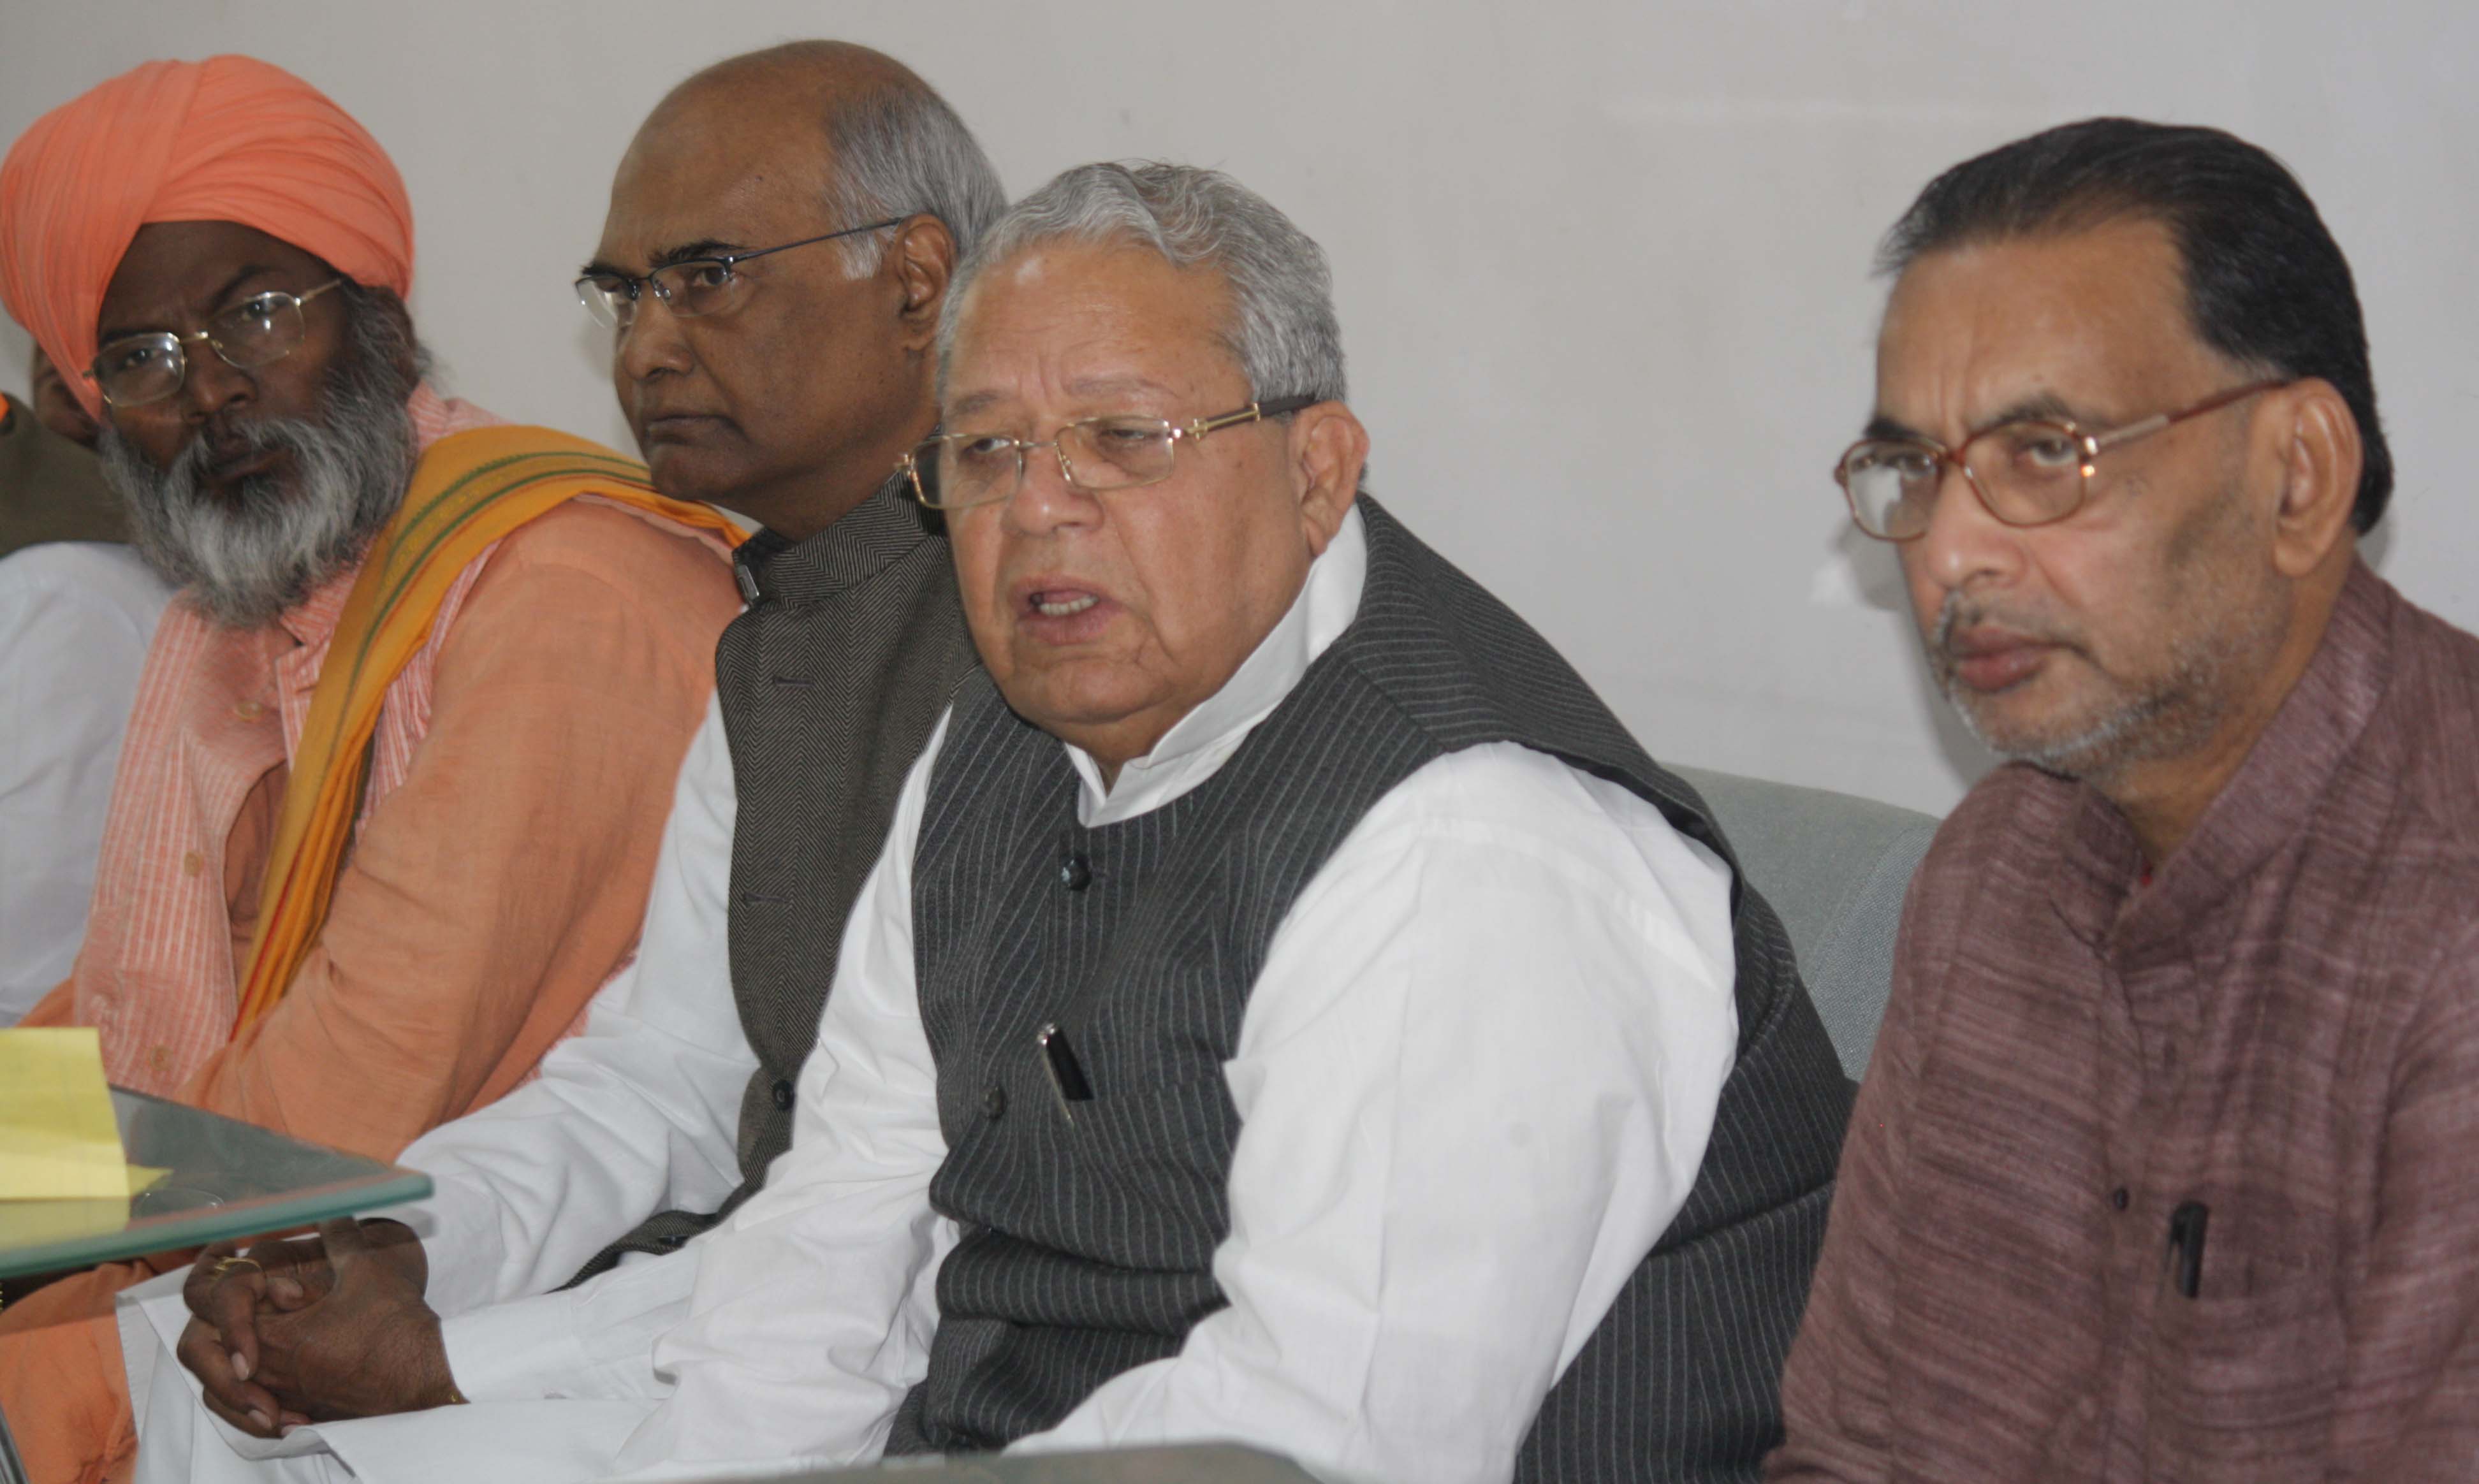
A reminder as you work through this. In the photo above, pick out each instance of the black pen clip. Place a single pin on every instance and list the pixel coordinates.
(2186, 1226)
(1066, 1077)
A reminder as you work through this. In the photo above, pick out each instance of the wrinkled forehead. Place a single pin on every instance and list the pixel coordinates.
(1062, 315)
(177, 270)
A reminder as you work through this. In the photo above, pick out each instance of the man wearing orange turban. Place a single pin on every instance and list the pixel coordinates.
(475, 650)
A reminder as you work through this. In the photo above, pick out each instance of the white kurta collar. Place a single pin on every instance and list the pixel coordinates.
(1199, 743)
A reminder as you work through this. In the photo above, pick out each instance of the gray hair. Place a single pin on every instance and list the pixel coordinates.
(901, 150)
(245, 558)
(1284, 332)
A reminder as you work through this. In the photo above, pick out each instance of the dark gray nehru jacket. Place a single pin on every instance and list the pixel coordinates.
(1088, 1245)
(830, 685)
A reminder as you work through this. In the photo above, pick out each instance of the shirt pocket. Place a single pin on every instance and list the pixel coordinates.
(1157, 1157)
(2244, 1376)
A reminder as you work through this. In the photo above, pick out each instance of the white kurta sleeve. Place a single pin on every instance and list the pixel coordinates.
(814, 1306)
(1475, 1077)
(561, 1381)
(637, 1113)
(76, 618)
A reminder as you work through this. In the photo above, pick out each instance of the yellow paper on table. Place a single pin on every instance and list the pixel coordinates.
(57, 1137)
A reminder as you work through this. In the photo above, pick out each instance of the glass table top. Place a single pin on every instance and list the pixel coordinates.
(227, 1178)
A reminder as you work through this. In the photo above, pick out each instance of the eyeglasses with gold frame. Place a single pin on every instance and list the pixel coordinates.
(132, 370)
(959, 471)
(2028, 471)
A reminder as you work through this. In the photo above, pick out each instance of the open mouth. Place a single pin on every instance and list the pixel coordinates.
(1050, 611)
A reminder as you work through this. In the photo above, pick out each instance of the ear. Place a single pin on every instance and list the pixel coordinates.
(2321, 457)
(1328, 449)
(923, 261)
(57, 408)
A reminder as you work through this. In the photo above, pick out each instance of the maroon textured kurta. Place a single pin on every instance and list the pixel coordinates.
(2284, 1026)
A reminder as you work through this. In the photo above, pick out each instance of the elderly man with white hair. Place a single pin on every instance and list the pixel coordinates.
(1289, 1005)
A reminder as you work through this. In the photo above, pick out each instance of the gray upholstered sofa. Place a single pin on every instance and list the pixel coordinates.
(1835, 866)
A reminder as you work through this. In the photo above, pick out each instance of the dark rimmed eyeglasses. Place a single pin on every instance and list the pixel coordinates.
(2030, 472)
(957, 470)
(132, 370)
(693, 286)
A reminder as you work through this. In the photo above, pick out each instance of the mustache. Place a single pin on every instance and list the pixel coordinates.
(1961, 611)
(248, 550)
(226, 440)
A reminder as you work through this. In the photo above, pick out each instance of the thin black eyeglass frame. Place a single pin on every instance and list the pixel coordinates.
(730, 261)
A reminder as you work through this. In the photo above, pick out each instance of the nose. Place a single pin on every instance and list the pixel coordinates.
(1044, 500)
(650, 342)
(1964, 543)
(211, 384)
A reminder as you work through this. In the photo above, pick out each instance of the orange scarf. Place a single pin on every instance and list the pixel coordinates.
(470, 490)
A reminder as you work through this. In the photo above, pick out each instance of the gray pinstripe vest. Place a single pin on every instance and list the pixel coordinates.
(830, 687)
(1088, 1243)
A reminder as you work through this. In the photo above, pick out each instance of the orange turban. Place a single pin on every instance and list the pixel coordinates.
(230, 138)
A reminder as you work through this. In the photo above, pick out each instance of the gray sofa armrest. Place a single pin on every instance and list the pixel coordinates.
(1835, 866)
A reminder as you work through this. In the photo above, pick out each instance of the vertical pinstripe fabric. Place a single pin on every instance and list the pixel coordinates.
(1087, 1245)
(830, 685)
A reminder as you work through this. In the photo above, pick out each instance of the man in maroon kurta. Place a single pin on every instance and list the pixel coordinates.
(2168, 1163)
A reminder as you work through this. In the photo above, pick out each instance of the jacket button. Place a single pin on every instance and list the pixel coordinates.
(2117, 1199)
(994, 1103)
(1075, 872)
(783, 1094)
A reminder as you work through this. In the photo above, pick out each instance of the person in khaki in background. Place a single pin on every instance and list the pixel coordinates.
(51, 487)
(477, 652)
(785, 384)
(2163, 1165)
(77, 609)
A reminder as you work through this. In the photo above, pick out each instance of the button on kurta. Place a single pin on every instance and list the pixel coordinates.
(994, 1103)
(783, 1091)
(1075, 872)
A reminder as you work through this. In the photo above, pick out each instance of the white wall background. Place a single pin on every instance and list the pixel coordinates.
(1602, 266)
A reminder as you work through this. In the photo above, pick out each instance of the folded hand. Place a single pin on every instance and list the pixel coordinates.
(315, 1329)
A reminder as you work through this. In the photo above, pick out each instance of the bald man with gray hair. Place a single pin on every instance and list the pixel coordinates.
(1287, 1007)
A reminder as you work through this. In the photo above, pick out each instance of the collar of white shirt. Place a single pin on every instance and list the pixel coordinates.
(1199, 743)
